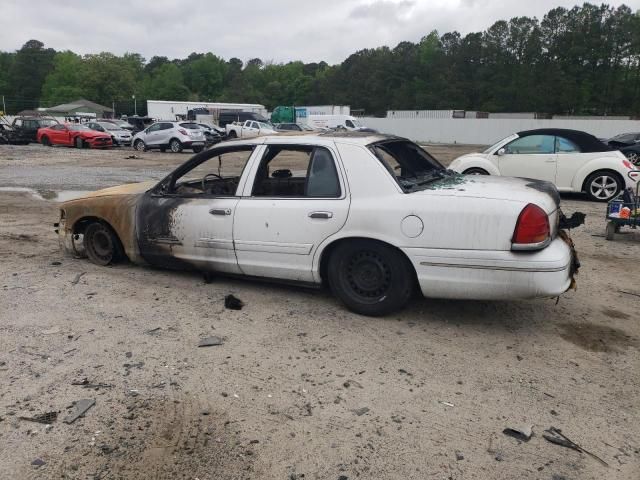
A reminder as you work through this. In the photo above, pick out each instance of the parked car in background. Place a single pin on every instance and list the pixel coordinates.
(119, 136)
(632, 153)
(29, 126)
(174, 136)
(573, 161)
(73, 135)
(373, 217)
(139, 123)
(294, 127)
(231, 116)
(12, 136)
(624, 140)
(211, 135)
(249, 129)
(123, 124)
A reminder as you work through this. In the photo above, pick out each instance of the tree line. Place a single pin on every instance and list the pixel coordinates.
(584, 60)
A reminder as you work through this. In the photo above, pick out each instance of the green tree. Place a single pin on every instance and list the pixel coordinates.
(63, 83)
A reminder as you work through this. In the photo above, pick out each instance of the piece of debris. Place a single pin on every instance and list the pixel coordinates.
(404, 372)
(77, 278)
(446, 403)
(47, 417)
(38, 462)
(79, 409)
(459, 455)
(132, 157)
(128, 354)
(555, 436)
(352, 383)
(499, 457)
(522, 433)
(210, 342)
(153, 331)
(86, 384)
(69, 351)
(360, 411)
(574, 221)
(56, 263)
(629, 293)
(233, 303)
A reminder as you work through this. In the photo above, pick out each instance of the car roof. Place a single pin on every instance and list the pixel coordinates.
(354, 138)
(585, 141)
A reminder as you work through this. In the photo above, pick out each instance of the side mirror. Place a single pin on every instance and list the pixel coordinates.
(501, 152)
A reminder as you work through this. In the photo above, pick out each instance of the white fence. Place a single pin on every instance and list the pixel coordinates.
(487, 131)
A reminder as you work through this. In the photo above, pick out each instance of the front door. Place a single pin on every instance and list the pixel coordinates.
(187, 221)
(296, 200)
(152, 134)
(532, 156)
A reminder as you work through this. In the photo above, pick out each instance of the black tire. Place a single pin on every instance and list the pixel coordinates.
(101, 244)
(370, 278)
(611, 230)
(475, 171)
(79, 143)
(175, 146)
(603, 185)
(232, 134)
(45, 141)
(197, 149)
(140, 146)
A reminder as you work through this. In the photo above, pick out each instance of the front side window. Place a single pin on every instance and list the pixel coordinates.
(566, 146)
(349, 124)
(297, 171)
(153, 128)
(217, 176)
(533, 144)
(58, 127)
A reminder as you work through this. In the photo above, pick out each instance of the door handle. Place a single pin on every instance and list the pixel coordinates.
(220, 211)
(321, 215)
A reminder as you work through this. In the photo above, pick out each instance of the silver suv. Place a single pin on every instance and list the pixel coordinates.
(175, 136)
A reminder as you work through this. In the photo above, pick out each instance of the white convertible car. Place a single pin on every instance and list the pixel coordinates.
(573, 161)
(375, 217)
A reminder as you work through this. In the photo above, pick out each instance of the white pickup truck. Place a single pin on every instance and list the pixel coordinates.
(249, 129)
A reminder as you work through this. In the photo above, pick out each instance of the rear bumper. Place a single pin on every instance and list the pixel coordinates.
(493, 275)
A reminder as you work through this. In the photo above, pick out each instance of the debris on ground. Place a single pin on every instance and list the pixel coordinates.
(132, 157)
(360, 411)
(574, 221)
(233, 303)
(555, 436)
(87, 384)
(47, 417)
(56, 263)
(352, 383)
(459, 455)
(522, 433)
(446, 403)
(210, 342)
(79, 409)
(38, 462)
(77, 278)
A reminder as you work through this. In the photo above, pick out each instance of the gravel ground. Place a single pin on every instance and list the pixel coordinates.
(300, 387)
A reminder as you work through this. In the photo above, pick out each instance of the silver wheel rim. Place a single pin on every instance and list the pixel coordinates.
(139, 145)
(604, 187)
(633, 157)
(175, 147)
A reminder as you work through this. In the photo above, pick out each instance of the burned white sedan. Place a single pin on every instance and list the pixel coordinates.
(373, 217)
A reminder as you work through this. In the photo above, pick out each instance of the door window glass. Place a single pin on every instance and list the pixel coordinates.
(296, 171)
(566, 146)
(349, 124)
(153, 128)
(166, 126)
(217, 176)
(533, 144)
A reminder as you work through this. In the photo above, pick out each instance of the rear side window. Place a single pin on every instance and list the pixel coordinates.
(566, 146)
(297, 171)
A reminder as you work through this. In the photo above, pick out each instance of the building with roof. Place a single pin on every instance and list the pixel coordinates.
(80, 108)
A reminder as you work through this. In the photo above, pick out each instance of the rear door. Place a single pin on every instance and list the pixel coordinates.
(295, 198)
(532, 156)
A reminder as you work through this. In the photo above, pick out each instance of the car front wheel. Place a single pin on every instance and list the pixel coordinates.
(175, 146)
(79, 142)
(45, 141)
(140, 146)
(101, 244)
(197, 149)
(475, 171)
(370, 278)
(603, 186)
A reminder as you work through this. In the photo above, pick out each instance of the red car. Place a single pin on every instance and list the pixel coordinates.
(73, 135)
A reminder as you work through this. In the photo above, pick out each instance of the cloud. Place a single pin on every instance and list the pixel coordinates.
(278, 30)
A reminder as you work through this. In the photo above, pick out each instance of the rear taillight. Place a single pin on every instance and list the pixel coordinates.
(183, 132)
(532, 229)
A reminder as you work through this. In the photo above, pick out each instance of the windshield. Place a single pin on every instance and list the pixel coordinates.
(356, 123)
(410, 165)
(110, 126)
(265, 125)
(493, 147)
(78, 127)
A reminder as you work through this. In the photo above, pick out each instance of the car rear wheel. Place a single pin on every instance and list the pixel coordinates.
(45, 141)
(140, 146)
(602, 186)
(370, 278)
(232, 134)
(197, 149)
(175, 146)
(475, 171)
(101, 244)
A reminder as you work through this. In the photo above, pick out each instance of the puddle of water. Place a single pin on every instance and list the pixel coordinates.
(61, 196)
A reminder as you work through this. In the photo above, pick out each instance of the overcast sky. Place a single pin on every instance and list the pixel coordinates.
(278, 30)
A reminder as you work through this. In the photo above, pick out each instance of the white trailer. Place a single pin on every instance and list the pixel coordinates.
(168, 110)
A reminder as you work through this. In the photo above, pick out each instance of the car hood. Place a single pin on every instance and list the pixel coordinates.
(127, 189)
(525, 190)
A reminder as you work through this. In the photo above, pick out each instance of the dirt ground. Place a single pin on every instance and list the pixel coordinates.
(300, 387)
